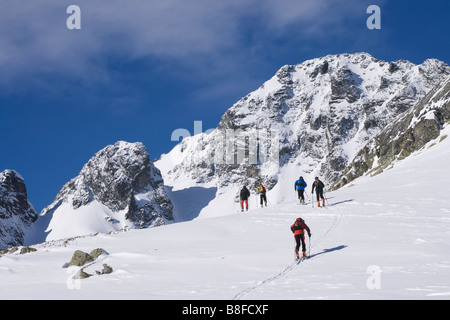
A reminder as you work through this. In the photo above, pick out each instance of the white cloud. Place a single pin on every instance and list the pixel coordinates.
(204, 35)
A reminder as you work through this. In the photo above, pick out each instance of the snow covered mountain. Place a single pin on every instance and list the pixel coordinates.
(17, 214)
(380, 237)
(383, 237)
(407, 134)
(309, 119)
(118, 188)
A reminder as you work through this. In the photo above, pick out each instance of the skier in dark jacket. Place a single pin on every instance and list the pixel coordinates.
(244, 195)
(300, 186)
(318, 185)
(298, 228)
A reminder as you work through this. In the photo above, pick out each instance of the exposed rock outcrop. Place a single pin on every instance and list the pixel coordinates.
(118, 188)
(405, 135)
(17, 214)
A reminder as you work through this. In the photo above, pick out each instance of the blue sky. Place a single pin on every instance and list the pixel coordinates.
(137, 70)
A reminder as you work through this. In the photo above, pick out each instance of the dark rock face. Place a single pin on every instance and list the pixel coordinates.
(16, 212)
(344, 86)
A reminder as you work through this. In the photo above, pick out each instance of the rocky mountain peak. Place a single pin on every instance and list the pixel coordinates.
(323, 112)
(121, 184)
(16, 212)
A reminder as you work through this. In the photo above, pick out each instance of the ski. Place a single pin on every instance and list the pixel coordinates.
(300, 259)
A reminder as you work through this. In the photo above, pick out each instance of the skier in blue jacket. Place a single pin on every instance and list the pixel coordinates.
(300, 186)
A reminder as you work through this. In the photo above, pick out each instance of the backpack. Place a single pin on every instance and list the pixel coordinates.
(298, 224)
(244, 194)
(300, 183)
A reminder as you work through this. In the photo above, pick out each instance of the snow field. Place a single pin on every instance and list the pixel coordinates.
(214, 258)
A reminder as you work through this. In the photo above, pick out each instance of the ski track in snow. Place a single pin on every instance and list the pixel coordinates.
(284, 272)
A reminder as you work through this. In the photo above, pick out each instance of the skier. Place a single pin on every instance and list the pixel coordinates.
(261, 190)
(298, 228)
(300, 186)
(244, 195)
(319, 191)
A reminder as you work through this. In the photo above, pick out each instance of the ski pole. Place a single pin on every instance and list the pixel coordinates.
(309, 250)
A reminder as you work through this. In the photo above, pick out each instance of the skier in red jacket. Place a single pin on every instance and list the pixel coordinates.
(298, 229)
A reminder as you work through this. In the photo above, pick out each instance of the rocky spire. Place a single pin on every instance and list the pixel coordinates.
(16, 212)
(120, 186)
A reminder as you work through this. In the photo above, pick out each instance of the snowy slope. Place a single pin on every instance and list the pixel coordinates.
(397, 222)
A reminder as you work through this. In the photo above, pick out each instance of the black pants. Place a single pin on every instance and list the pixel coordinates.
(301, 195)
(263, 198)
(300, 239)
(319, 194)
